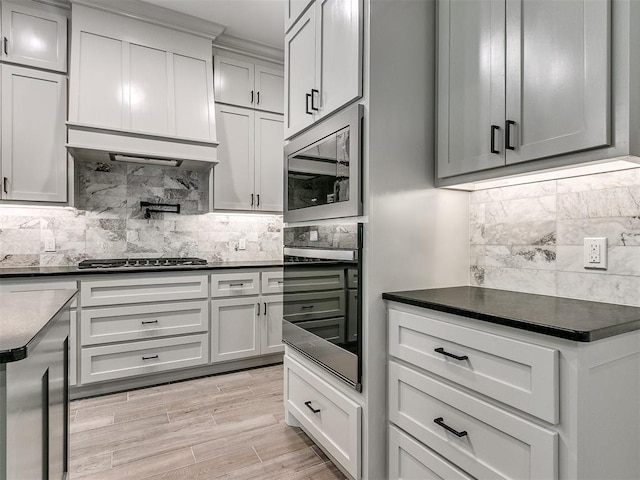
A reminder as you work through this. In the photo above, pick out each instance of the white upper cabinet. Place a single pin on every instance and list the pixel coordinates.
(134, 76)
(292, 11)
(521, 80)
(323, 62)
(250, 173)
(34, 35)
(248, 85)
(34, 157)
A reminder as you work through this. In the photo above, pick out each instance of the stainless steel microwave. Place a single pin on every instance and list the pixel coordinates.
(323, 169)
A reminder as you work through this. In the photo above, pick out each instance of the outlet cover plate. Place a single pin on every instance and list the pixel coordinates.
(595, 253)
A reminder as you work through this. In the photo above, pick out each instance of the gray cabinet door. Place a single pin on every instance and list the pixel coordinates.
(558, 77)
(471, 85)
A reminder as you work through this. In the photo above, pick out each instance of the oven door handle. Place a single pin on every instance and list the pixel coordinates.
(322, 254)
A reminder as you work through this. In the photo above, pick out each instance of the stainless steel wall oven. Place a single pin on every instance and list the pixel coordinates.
(323, 170)
(323, 297)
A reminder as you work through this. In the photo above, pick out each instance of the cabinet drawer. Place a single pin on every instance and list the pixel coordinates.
(312, 280)
(520, 374)
(272, 282)
(330, 417)
(30, 286)
(115, 324)
(309, 306)
(116, 291)
(235, 284)
(411, 460)
(493, 443)
(110, 362)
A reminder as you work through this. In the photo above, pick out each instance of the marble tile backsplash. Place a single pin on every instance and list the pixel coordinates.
(529, 238)
(107, 221)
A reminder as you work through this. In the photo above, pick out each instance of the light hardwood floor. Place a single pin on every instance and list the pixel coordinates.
(223, 426)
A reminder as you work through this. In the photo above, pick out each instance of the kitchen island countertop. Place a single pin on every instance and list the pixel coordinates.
(25, 318)
(578, 320)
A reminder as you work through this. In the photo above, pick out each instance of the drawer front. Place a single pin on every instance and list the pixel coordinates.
(125, 289)
(309, 306)
(137, 322)
(519, 374)
(314, 279)
(31, 286)
(235, 284)
(410, 460)
(272, 282)
(331, 418)
(493, 443)
(111, 362)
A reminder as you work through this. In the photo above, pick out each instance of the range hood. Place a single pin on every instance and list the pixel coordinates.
(110, 145)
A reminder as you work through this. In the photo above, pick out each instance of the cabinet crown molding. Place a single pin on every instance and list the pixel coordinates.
(249, 48)
(154, 14)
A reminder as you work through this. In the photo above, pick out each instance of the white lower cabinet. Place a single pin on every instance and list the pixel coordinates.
(329, 416)
(470, 399)
(110, 362)
(245, 325)
(410, 460)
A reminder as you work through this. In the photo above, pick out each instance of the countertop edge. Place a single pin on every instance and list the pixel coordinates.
(554, 331)
(22, 352)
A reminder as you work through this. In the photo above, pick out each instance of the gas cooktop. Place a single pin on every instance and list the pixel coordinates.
(140, 262)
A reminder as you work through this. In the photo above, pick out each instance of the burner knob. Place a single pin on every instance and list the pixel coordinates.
(166, 262)
(147, 264)
(157, 264)
(126, 263)
(137, 264)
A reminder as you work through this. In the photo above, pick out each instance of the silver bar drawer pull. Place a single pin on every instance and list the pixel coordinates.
(151, 357)
(443, 352)
(314, 410)
(440, 421)
(147, 322)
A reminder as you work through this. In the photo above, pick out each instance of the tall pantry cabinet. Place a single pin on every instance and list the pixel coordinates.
(249, 105)
(34, 102)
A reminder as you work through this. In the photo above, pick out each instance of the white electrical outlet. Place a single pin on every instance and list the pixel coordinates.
(242, 244)
(595, 253)
(313, 235)
(50, 244)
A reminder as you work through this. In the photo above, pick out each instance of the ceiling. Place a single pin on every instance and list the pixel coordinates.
(260, 21)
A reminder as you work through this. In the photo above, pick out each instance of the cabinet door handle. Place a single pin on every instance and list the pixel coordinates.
(313, 97)
(442, 351)
(5, 182)
(252, 199)
(236, 284)
(494, 128)
(258, 199)
(507, 142)
(258, 102)
(307, 307)
(5, 42)
(149, 322)
(440, 421)
(265, 307)
(258, 305)
(151, 357)
(251, 96)
(306, 103)
(308, 404)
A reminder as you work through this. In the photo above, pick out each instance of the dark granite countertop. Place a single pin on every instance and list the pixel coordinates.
(578, 320)
(18, 272)
(24, 317)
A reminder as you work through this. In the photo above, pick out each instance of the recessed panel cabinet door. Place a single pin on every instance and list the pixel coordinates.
(271, 337)
(235, 328)
(340, 45)
(34, 158)
(299, 73)
(193, 90)
(234, 81)
(233, 176)
(471, 86)
(36, 37)
(269, 84)
(558, 77)
(148, 86)
(269, 164)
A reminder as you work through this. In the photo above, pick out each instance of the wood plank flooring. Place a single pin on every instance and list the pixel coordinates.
(227, 426)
